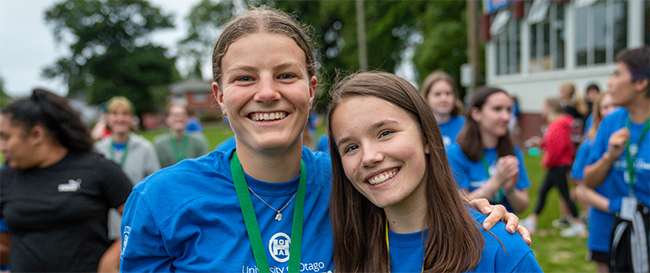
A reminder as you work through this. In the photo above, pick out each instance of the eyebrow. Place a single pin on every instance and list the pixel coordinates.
(249, 68)
(375, 125)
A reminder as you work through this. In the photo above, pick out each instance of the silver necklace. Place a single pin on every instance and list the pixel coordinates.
(278, 216)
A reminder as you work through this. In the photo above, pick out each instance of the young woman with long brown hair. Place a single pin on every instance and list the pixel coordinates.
(439, 91)
(394, 203)
(485, 162)
(263, 205)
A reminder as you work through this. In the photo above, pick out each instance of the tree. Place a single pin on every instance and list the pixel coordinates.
(4, 98)
(110, 50)
(443, 27)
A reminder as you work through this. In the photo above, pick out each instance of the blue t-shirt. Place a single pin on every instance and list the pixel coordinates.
(324, 143)
(407, 251)
(187, 218)
(577, 170)
(588, 123)
(450, 129)
(472, 175)
(618, 176)
(600, 222)
(227, 145)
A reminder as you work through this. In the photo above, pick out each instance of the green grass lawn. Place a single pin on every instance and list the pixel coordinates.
(553, 252)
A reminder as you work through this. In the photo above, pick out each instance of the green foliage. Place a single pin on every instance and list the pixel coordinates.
(4, 98)
(206, 20)
(111, 53)
(444, 34)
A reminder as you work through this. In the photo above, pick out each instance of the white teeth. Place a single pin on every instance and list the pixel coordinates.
(377, 179)
(268, 117)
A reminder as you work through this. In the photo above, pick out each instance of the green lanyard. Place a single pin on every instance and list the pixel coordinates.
(631, 158)
(498, 196)
(182, 154)
(126, 151)
(252, 228)
(388, 247)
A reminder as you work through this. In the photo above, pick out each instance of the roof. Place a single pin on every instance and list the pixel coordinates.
(191, 85)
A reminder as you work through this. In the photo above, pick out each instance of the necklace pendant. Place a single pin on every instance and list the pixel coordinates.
(278, 216)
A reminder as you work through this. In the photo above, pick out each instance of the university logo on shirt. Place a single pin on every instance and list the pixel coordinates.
(279, 247)
(71, 186)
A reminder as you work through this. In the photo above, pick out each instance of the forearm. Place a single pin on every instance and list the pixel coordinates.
(486, 190)
(110, 261)
(518, 200)
(595, 174)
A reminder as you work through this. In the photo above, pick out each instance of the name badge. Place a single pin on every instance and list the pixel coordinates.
(628, 208)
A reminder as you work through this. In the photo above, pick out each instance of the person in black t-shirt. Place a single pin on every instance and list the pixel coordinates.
(56, 192)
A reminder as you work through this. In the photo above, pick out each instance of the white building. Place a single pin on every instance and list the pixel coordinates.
(534, 46)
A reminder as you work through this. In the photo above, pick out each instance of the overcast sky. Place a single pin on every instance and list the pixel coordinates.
(27, 44)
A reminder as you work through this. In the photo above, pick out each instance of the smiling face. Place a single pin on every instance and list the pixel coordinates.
(265, 91)
(177, 118)
(382, 151)
(493, 118)
(441, 98)
(119, 120)
(606, 105)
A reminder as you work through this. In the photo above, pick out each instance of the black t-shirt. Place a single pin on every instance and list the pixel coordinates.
(57, 216)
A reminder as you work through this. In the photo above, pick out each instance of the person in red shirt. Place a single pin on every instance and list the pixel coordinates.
(559, 153)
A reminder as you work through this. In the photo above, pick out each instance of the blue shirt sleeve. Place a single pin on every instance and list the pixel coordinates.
(143, 249)
(577, 171)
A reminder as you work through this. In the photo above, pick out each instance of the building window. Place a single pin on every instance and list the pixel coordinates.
(507, 45)
(646, 17)
(601, 32)
(547, 40)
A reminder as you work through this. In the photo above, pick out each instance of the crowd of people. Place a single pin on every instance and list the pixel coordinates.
(410, 180)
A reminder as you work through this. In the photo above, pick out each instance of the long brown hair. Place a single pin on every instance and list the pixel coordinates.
(435, 77)
(469, 137)
(454, 242)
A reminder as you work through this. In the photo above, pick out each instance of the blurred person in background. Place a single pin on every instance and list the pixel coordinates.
(484, 161)
(558, 156)
(56, 192)
(439, 91)
(600, 219)
(591, 95)
(136, 156)
(620, 159)
(177, 145)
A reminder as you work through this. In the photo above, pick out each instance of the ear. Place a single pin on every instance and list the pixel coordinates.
(476, 114)
(427, 150)
(641, 85)
(37, 134)
(218, 95)
(312, 89)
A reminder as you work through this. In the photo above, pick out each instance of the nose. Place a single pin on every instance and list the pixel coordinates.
(267, 91)
(371, 156)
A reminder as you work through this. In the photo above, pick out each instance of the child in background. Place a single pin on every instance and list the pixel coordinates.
(439, 91)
